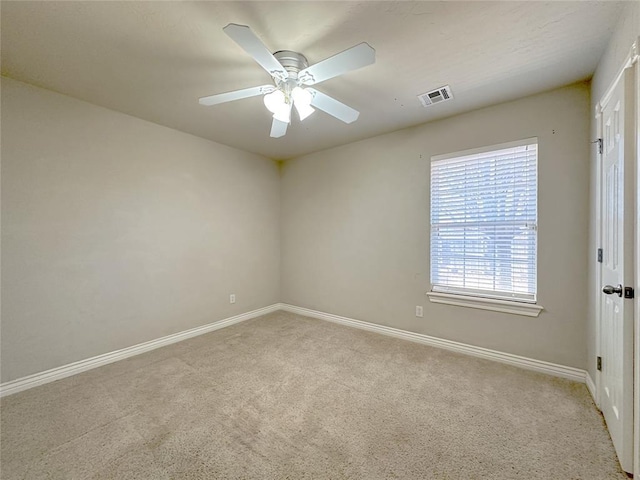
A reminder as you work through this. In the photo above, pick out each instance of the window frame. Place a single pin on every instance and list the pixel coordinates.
(475, 298)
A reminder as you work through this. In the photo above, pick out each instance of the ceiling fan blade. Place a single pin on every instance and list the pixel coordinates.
(236, 95)
(250, 43)
(333, 107)
(278, 128)
(351, 59)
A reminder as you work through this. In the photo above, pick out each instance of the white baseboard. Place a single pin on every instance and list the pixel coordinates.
(64, 371)
(58, 373)
(591, 386)
(554, 369)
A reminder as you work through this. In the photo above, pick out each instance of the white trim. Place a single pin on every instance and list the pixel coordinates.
(541, 366)
(24, 383)
(474, 151)
(630, 59)
(592, 389)
(636, 279)
(599, 244)
(484, 303)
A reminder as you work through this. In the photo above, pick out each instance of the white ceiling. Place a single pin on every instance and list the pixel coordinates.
(154, 60)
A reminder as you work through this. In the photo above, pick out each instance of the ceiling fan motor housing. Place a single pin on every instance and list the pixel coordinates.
(292, 62)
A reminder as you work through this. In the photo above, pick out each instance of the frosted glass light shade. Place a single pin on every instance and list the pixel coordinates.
(301, 96)
(283, 113)
(304, 110)
(302, 100)
(274, 101)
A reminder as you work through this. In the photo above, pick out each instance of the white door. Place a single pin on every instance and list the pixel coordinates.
(616, 316)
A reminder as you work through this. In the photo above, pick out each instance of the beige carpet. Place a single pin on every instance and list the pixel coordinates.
(288, 397)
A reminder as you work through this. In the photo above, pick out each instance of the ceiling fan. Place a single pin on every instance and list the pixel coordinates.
(291, 73)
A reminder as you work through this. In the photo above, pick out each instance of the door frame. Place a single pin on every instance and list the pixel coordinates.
(636, 301)
(632, 115)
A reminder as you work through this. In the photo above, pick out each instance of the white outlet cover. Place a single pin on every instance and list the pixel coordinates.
(419, 311)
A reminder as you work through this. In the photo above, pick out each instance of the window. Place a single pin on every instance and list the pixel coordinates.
(484, 222)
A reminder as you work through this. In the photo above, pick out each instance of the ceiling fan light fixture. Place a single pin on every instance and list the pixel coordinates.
(283, 113)
(302, 100)
(274, 101)
(301, 96)
(303, 110)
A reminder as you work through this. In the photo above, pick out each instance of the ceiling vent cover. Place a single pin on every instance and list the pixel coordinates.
(438, 95)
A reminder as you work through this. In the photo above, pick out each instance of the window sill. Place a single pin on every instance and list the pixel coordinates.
(505, 306)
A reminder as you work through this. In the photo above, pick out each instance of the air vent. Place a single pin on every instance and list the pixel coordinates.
(438, 95)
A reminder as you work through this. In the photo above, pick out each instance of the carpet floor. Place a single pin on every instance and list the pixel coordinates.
(289, 397)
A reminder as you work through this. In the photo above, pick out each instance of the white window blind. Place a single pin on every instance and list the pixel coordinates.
(484, 221)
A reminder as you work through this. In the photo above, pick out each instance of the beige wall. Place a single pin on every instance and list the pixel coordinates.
(355, 227)
(116, 231)
(626, 32)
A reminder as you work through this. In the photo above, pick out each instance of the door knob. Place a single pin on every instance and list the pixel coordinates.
(609, 289)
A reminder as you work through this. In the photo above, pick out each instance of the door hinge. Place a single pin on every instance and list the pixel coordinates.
(599, 142)
(628, 292)
(599, 363)
(599, 255)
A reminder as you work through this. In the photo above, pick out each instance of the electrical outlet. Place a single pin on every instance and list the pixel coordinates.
(419, 311)
(232, 298)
